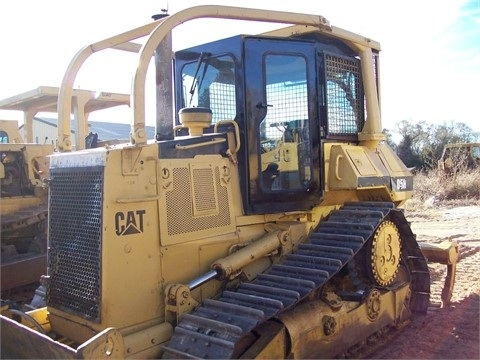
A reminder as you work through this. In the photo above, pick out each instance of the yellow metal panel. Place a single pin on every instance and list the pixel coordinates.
(342, 173)
(10, 205)
(131, 246)
(349, 323)
(11, 128)
(393, 163)
(146, 343)
(190, 203)
(185, 262)
(360, 160)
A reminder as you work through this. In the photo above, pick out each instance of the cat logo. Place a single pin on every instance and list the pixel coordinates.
(129, 223)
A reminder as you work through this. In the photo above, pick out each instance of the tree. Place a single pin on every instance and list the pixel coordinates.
(389, 139)
(421, 144)
(406, 152)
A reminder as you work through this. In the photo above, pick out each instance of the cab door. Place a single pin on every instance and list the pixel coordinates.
(282, 124)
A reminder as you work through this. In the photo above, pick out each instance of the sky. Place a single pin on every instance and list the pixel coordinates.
(430, 58)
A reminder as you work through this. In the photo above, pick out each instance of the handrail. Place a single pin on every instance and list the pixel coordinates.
(237, 132)
(120, 42)
(213, 141)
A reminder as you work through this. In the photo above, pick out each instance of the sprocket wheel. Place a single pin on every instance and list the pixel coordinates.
(385, 253)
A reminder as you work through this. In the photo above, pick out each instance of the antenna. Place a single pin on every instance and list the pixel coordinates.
(164, 13)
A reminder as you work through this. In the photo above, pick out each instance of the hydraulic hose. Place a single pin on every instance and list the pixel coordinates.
(29, 318)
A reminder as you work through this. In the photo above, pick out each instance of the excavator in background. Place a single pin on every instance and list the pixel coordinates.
(24, 171)
(263, 221)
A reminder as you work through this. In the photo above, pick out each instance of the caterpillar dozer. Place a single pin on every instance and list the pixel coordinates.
(23, 209)
(24, 170)
(263, 221)
(459, 156)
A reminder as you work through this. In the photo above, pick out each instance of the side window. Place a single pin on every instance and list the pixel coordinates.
(3, 137)
(285, 159)
(210, 82)
(344, 96)
(476, 152)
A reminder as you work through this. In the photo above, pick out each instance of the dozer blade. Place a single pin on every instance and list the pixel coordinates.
(444, 253)
(21, 342)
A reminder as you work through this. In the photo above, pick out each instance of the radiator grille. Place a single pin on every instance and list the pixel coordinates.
(74, 258)
(210, 200)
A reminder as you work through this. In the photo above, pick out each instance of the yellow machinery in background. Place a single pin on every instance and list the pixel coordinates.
(23, 169)
(24, 172)
(459, 157)
(263, 220)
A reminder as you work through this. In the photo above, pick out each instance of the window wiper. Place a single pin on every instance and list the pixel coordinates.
(196, 81)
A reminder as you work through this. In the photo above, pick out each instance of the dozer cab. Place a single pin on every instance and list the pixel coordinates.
(263, 220)
(24, 170)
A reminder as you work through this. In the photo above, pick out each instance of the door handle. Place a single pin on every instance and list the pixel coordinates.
(261, 105)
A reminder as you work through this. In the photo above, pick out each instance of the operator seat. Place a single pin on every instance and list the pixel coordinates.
(271, 177)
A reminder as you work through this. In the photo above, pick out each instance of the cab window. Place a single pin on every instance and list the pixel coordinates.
(210, 82)
(3, 137)
(284, 132)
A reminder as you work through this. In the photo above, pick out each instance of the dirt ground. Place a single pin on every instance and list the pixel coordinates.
(450, 332)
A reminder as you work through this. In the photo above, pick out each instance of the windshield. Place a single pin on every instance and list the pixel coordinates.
(210, 82)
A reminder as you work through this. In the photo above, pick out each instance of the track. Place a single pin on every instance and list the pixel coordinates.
(24, 252)
(24, 222)
(216, 328)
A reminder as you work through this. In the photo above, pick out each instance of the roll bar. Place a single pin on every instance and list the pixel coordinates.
(159, 29)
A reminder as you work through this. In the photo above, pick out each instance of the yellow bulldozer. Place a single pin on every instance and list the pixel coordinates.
(23, 209)
(458, 157)
(263, 221)
(24, 171)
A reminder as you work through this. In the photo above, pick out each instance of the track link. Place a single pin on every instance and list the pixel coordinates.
(20, 223)
(215, 328)
(24, 252)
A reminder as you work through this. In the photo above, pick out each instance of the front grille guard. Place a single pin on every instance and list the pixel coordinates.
(75, 241)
